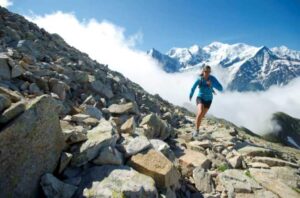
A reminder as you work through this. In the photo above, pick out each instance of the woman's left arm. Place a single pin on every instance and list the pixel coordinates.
(216, 84)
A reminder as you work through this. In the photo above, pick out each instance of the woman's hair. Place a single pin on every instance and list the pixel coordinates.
(205, 68)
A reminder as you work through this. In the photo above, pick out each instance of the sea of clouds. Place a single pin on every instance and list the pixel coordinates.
(107, 43)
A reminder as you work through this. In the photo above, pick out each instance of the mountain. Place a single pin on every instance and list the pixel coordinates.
(244, 67)
(287, 130)
(71, 127)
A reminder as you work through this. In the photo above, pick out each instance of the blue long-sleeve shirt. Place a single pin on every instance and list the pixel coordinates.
(206, 92)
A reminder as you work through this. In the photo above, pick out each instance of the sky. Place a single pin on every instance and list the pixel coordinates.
(120, 40)
(163, 24)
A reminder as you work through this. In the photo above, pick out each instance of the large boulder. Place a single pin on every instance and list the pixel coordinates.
(155, 127)
(157, 166)
(99, 137)
(116, 181)
(30, 146)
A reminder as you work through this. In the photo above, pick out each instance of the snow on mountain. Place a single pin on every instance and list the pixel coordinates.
(283, 51)
(243, 67)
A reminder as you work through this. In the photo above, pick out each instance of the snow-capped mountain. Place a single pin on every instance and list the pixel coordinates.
(242, 67)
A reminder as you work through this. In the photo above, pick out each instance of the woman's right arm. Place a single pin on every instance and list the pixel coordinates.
(194, 87)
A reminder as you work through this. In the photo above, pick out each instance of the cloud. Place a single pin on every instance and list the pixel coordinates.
(107, 43)
(6, 3)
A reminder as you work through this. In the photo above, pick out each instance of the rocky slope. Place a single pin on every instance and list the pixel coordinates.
(70, 127)
(245, 67)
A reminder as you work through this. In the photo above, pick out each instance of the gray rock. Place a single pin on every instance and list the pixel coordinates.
(99, 137)
(34, 89)
(128, 126)
(236, 181)
(203, 180)
(13, 111)
(116, 181)
(35, 143)
(163, 147)
(155, 127)
(4, 102)
(54, 188)
(93, 111)
(65, 158)
(58, 87)
(4, 67)
(13, 95)
(137, 145)
(109, 155)
(274, 162)
(123, 108)
(102, 89)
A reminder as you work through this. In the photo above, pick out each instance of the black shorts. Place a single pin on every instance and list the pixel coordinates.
(205, 103)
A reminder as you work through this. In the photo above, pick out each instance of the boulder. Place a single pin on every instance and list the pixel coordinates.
(236, 181)
(99, 137)
(65, 158)
(109, 155)
(155, 127)
(13, 111)
(252, 151)
(4, 102)
(137, 145)
(192, 159)
(58, 87)
(123, 108)
(128, 126)
(116, 181)
(102, 89)
(163, 147)
(269, 180)
(30, 146)
(274, 162)
(54, 188)
(92, 111)
(203, 180)
(157, 166)
(4, 67)
(13, 95)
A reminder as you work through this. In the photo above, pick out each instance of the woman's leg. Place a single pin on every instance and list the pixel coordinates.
(200, 108)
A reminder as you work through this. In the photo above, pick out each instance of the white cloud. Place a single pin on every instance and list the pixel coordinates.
(108, 44)
(6, 3)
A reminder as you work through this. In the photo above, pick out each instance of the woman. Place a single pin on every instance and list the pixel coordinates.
(206, 83)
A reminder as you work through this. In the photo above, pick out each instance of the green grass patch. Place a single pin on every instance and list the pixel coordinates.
(223, 167)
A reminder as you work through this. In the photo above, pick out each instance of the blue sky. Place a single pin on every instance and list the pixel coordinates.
(181, 23)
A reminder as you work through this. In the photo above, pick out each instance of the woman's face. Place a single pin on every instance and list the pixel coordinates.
(206, 72)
